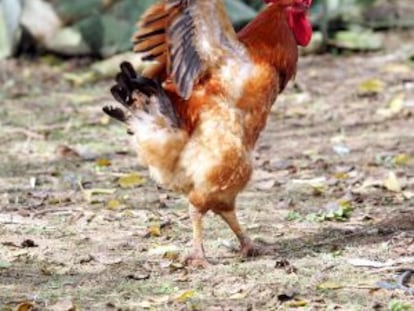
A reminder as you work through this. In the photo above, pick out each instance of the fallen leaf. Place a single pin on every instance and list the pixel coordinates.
(361, 262)
(345, 203)
(238, 296)
(145, 304)
(397, 103)
(67, 152)
(185, 296)
(307, 186)
(154, 230)
(377, 264)
(105, 120)
(408, 195)
(371, 87)
(401, 159)
(397, 68)
(392, 183)
(113, 204)
(89, 193)
(171, 255)
(341, 175)
(25, 306)
(131, 180)
(329, 285)
(394, 106)
(102, 162)
(162, 250)
(174, 266)
(297, 304)
(46, 270)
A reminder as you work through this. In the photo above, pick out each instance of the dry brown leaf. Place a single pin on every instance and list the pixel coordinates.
(67, 152)
(25, 306)
(341, 175)
(102, 162)
(154, 230)
(171, 255)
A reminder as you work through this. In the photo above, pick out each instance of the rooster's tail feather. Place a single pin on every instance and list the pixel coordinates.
(143, 98)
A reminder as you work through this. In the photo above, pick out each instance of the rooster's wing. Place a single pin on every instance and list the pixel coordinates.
(186, 39)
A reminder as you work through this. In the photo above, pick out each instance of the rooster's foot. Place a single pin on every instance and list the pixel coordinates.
(250, 249)
(196, 260)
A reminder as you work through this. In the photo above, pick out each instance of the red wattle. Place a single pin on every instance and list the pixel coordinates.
(301, 27)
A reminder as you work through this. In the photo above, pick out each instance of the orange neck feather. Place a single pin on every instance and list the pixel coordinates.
(269, 39)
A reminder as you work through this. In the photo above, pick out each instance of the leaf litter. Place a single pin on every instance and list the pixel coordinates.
(338, 148)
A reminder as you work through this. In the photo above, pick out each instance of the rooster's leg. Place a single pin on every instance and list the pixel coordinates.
(247, 247)
(197, 256)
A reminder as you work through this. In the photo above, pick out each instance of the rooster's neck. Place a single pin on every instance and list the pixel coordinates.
(269, 39)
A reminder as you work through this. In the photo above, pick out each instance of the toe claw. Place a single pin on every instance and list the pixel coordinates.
(196, 261)
(250, 249)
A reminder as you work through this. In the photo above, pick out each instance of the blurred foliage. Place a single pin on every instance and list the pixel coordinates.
(104, 27)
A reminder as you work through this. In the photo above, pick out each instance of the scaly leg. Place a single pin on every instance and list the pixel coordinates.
(197, 257)
(247, 247)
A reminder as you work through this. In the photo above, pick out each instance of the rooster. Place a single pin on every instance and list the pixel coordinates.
(196, 111)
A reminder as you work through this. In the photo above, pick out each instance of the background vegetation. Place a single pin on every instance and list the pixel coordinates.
(104, 27)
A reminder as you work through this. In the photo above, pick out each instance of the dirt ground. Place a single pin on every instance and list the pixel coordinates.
(82, 227)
